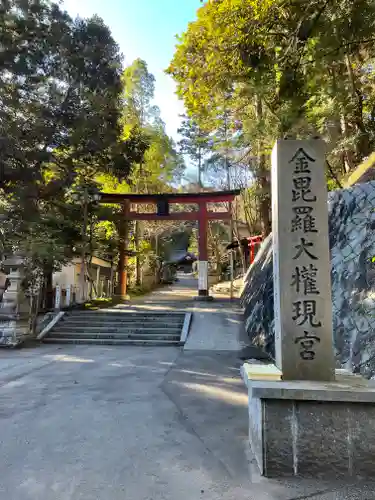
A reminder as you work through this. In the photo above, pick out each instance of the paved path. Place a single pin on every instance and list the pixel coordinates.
(216, 326)
(132, 423)
(109, 423)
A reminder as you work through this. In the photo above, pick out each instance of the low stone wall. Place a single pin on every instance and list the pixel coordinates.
(352, 244)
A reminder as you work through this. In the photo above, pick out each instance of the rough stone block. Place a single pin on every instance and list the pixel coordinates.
(278, 448)
(322, 438)
(362, 439)
(313, 429)
(256, 430)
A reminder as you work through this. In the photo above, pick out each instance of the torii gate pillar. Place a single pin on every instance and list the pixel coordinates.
(121, 290)
(203, 286)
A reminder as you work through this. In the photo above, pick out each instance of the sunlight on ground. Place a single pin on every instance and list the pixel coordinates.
(68, 359)
(178, 292)
(201, 374)
(227, 380)
(150, 306)
(231, 397)
(236, 321)
(15, 383)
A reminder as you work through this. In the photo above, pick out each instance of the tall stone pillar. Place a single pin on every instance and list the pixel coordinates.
(301, 261)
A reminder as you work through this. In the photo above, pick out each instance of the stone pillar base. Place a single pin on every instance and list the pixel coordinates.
(204, 296)
(312, 429)
(13, 331)
(123, 298)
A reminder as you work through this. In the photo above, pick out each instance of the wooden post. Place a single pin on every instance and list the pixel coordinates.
(110, 284)
(98, 282)
(57, 297)
(68, 297)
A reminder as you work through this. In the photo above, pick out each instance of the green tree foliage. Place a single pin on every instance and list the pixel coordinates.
(161, 164)
(195, 143)
(138, 93)
(287, 68)
(60, 89)
(71, 116)
(158, 167)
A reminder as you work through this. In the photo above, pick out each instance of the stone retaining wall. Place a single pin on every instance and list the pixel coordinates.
(352, 243)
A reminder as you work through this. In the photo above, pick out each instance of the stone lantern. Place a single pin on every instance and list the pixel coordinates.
(16, 300)
(14, 305)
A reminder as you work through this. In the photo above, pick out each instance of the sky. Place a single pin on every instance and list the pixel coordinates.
(146, 29)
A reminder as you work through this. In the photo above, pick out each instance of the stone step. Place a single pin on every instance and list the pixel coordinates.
(109, 341)
(118, 336)
(115, 329)
(118, 328)
(130, 314)
(111, 323)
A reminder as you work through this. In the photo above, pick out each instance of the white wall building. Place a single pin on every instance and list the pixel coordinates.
(102, 276)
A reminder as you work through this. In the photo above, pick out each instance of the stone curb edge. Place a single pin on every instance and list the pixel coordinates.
(186, 327)
(50, 325)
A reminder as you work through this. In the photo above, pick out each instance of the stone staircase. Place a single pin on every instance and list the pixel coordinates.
(120, 327)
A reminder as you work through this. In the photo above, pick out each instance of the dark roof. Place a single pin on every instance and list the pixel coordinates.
(180, 256)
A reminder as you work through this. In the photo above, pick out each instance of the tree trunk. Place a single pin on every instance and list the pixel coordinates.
(34, 312)
(48, 289)
(348, 155)
(263, 176)
(251, 221)
(338, 128)
(200, 182)
(265, 199)
(240, 248)
(363, 143)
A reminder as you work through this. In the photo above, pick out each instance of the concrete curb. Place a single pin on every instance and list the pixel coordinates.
(50, 325)
(186, 327)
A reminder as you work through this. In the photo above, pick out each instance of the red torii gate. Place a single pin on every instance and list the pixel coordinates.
(254, 240)
(162, 201)
(249, 243)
